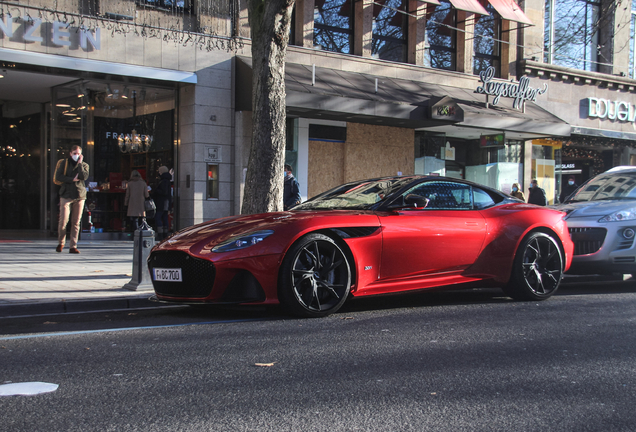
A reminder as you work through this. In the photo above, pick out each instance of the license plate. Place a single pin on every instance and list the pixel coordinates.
(167, 275)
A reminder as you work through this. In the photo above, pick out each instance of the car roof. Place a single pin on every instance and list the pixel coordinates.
(621, 168)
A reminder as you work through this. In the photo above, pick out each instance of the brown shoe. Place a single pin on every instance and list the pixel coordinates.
(73, 250)
(59, 248)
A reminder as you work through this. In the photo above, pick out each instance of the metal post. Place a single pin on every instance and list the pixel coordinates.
(144, 241)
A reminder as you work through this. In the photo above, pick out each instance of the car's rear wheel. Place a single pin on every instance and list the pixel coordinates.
(315, 277)
(537, 268)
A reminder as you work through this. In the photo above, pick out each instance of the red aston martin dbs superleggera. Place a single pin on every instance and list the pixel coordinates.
(367, 237)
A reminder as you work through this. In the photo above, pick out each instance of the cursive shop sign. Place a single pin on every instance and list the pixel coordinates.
(30, 29)
(611, 110)
(520, 91)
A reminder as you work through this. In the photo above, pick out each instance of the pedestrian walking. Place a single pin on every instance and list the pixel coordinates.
(163, 198)
(70, 174)
(536, 195)
(516, 192)
(291, 190)
(136, 194)
(568, 189)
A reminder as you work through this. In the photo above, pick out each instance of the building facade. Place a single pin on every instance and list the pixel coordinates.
(491, 91)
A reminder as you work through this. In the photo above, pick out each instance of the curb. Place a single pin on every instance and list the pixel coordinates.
(74, 306)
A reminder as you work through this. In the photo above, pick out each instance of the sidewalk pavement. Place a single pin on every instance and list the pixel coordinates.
(34, 279)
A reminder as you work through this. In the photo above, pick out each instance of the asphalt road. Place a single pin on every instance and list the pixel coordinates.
(452, 361)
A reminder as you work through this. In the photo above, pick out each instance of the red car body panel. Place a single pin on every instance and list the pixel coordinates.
(404, 250)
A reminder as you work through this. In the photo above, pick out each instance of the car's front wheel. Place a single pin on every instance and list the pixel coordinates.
(537, 269)
(315, 277)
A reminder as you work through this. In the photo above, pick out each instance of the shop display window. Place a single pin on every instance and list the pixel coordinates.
(122, 128)
(213, 182)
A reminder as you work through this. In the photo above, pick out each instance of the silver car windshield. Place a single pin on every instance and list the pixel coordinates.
(361, 195)
(608, 186)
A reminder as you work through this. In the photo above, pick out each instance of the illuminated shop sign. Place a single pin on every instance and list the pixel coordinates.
(497, 140)
(520, 91)
(611, 110)
(60, 33)
(565, 166)
(446, 109)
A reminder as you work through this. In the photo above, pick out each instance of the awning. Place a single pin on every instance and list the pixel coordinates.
(87, 65)
(363, 98)
(510, 10)
(469, 6)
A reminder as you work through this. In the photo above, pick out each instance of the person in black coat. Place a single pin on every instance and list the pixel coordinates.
(291, 191)
(536, 195)
(568, 189)
(162, 195)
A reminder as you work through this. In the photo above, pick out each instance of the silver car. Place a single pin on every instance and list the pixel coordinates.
(601, 217)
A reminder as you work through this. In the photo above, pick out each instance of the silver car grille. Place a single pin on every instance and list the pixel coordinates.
(587, 240)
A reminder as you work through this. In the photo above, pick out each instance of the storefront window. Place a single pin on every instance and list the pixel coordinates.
(121, 128)
(333, 25)
(572, 33)
(441, 37)
(20, 157)
(389, 30)
(494, 165)
(487, 45)
(213, 182)
(544, 165)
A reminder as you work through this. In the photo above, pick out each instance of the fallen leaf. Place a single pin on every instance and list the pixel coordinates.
(346, 318)
(264, 364)
(49, 322)
(129, 274)
(87, 348)
(97, 271)
(132, 313)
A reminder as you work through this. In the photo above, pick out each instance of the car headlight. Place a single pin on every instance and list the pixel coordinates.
(619, 216)
(242, 242)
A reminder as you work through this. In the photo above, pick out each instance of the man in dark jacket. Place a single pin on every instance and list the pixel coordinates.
(536, 195)
(568, 189)
(291, 191)
(162, 195)
(70, 175)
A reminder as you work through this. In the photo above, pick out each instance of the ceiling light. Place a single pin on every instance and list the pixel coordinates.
(125, 93)
(109, 91)
(63, 105)
(3, 73)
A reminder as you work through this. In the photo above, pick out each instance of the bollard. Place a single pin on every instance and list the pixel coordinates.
(144, 241)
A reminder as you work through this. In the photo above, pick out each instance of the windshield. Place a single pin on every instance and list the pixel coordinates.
(607, 186)
(355, 196)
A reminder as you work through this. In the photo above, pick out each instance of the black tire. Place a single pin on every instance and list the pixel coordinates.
(537, 269)
(315, 277)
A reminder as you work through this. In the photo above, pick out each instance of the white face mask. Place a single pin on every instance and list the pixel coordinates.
(75, 157)
(571, 183)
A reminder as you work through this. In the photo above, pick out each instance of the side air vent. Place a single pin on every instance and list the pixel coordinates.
(353, 232)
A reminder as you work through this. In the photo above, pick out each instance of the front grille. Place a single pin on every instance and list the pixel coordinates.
(587, 240)
(197, 274)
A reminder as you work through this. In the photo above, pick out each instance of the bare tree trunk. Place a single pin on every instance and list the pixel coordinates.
(270, 22)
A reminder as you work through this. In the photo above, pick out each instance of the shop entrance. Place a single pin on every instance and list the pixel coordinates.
(121, 128)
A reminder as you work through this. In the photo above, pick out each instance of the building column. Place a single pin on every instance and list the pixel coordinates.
(363, 29)
(304, 25)
(465, 22)
(508, 48)
(417, 32)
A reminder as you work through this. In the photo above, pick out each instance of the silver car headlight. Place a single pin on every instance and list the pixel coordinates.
(243, 241)
(619, 216)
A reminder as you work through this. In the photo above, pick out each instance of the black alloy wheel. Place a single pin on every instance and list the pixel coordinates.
(537, 268)
(315, 277)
